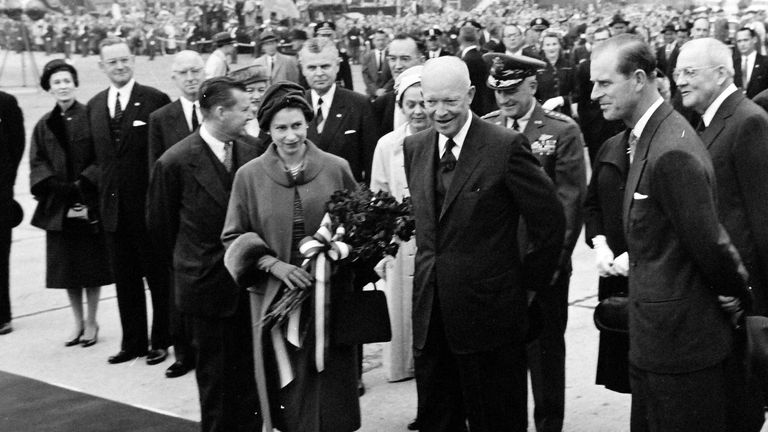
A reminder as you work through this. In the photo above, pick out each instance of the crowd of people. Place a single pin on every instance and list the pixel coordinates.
(488, 122)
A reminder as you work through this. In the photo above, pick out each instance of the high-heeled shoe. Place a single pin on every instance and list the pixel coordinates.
(92, 341)
(76, 339)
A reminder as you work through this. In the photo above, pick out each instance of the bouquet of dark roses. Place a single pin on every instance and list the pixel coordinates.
(359, 229)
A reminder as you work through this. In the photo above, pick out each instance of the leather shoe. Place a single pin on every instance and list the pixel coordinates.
(124, 356)
(156, 356)
(75, 340)
(414, 425)
(6, 328)
(176, 370)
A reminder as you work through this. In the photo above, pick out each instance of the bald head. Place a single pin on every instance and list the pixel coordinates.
(447, 93)
(704, 70)
(187, 71)
(709, 52)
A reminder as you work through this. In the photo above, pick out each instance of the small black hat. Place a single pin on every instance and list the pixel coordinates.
(249, 74)
(283, 94)
(223, 38)
(669, 28)
(472, 23)
(54, 66)
(618, 19)
(432, 33)
(539, 24)
(509, 71)
(298, 34)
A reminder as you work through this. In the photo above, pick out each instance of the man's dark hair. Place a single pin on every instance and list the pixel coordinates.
(752, 33)
(632, 52)
(108, 41)
(421, 48)
(218, 92)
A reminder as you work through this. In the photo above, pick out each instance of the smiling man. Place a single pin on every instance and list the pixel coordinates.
(118, 118)
(470, 182)
(557, 144)
(680, 257)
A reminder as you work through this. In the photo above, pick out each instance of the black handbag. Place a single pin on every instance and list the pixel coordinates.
(361, 317)
(612, 314)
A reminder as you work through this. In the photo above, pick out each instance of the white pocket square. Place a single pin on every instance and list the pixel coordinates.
(639, 196)
(138, 123)
(351, 131)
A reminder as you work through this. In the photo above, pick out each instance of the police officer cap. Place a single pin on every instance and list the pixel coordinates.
(669, 28)
(267, 36)
(223, 38)
(325, 27)
(539, 24)
(249, 74)
(508, 71)
(432, 33)
(618, 19)
(472, 23)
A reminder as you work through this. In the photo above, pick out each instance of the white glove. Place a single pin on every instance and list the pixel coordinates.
(603, 256)
(554, 103)
(621, 265)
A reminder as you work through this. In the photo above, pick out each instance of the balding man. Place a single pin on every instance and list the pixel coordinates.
(700, 28)
(734, 132)
(470, 182)
(680, 257)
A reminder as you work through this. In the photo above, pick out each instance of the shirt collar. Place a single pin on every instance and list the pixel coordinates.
(711, 110)
(638, 129)
(465, 50)
(327, 98)
(124, 90)
(458, 139)
(187, 104)
(216, 145)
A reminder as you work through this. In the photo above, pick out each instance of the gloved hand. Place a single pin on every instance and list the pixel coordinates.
(603, 256)
(732, 306)
(621, 265)
(292, 276)
(554, 103)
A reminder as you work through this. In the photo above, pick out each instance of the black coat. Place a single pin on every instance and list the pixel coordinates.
(11, 150)
(124, 168)
(594, 126)
(60, 153)
(556, 80)
(187, 204)
(350, 131)
(758, 80)
(167, 126)
(484, 100)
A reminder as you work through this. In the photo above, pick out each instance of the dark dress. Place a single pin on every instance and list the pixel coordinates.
(62, 173)
(603, 216)
(556, 80)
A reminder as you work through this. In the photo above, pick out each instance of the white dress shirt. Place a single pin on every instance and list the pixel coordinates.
(750, 64)
(125, 96)
(638, 129)
(327, 100)
(187, 106)
(711, 110)
(215, 145)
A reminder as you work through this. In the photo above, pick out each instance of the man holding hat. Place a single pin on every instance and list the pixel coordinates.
(218, 62)
(279, 67)
(556, 141)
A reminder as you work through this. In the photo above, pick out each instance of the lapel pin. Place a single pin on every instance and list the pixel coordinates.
(136, 103)
(338, 115)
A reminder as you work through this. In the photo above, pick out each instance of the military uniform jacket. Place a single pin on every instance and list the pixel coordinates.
(556, 141)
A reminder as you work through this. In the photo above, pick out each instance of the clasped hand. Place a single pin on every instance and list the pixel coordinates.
(292, 276)
(606, 264)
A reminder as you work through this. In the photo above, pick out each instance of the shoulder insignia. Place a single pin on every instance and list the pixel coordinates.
(557, 115)
(491, 115)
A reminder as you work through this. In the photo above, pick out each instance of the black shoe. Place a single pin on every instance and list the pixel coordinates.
(156, 356)
(6, 328)
(176, 370)
(124, 356)
(414, 425)
(75, 340)
(360, 388)
(92, 341)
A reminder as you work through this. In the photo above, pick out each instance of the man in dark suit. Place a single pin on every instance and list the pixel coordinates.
(735, 135)
(118, 118)
(167, 126)
(343, 124)
(188, 199)
(376, 71)
(670, 49)
(470, 181)
(403, 53)
(750, 67)
(469, 51)
(433, 44)
(11, 150)
(556, 142)
(680, 257)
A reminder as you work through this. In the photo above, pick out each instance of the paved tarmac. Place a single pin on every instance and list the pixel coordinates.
(42, 318)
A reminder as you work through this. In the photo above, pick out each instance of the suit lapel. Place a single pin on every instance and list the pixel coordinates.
(102, 116)
(468, 159)
(426, 156)
(131, 111)
(641, 157)
(336, 115)
(179, 121)
(205, 173)
(721, 118)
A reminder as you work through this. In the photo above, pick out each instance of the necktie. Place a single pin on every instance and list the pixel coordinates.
(744, 70)
(445, 171)
(319, 116)
(632, 146)
(195, 121)
(228, 156)
(118, 109)
(379, 60)
(515, 125)
(700, 126)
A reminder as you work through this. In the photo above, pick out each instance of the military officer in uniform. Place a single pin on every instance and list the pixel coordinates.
(557, 143)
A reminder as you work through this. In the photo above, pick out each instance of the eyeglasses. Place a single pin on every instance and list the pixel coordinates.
(690, 72)
(193, 71)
